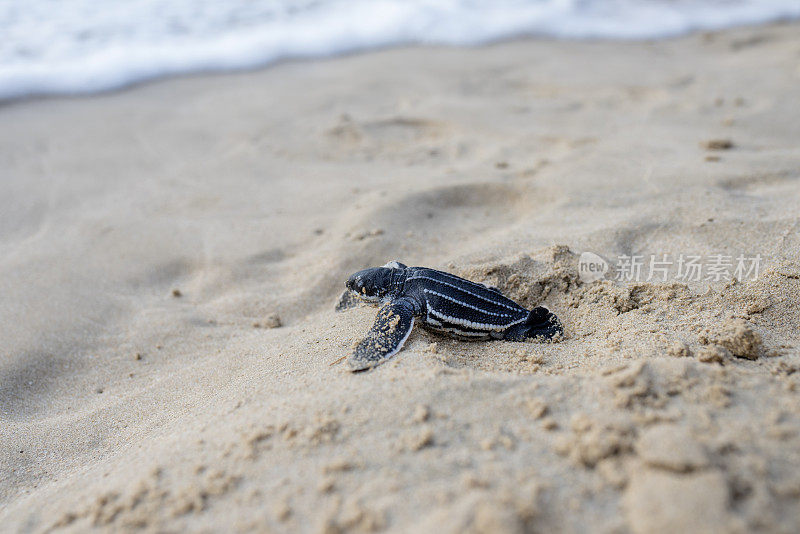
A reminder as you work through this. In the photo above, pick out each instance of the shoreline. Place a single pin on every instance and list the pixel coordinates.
(301, 59)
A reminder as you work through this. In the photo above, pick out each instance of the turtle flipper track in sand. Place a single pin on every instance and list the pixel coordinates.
(386, 337)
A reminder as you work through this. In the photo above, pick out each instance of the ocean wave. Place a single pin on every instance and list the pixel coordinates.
(80, 46)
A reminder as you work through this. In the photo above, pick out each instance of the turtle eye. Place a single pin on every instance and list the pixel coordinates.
(359, 285)
(367, 289)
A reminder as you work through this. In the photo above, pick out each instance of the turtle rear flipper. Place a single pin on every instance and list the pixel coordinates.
(540, 324)
(386, 337)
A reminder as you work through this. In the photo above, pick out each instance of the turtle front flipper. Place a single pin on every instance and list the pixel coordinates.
(386, 337)
(347, 300)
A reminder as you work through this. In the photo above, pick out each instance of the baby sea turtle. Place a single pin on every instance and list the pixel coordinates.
(443, 303)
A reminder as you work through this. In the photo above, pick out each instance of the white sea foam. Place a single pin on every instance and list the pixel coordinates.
(77, 46)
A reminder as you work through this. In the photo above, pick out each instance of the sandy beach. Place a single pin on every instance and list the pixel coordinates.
(171, 256)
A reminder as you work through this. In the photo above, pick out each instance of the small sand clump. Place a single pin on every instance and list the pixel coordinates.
(421, 414)
(679, 349)
(593, 440)
(713, 354)
(671, 447)
(738, 337)
(272, 320)
(717, 144)
(662, 502)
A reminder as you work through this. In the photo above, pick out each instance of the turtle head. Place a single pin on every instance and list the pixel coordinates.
(374, 284)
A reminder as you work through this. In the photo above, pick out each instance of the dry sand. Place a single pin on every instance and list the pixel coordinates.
(170, 257)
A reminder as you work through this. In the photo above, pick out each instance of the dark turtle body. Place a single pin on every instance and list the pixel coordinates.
(441, 302)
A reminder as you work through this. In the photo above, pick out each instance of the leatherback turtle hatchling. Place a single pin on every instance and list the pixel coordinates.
(442, 302)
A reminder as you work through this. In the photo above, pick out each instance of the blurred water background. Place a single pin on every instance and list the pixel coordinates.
(79, 46)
